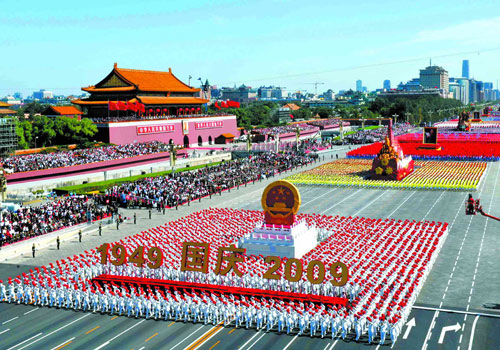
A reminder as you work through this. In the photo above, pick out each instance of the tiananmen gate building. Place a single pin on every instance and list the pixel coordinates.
(131, 105)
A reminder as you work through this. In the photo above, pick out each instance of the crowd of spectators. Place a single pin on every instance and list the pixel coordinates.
(39, 161)
(332, 122)
(175, 189)
(285, 129)
(307, 145)
(27, 222)
(376, 135)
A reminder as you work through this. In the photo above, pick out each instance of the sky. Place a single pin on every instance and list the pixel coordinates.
(62, 46)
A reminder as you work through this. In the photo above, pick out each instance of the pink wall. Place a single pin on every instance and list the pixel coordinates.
(127, 132)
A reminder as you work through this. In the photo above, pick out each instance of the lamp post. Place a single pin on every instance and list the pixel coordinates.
(407, 114)
(36, 137)
(395, 117)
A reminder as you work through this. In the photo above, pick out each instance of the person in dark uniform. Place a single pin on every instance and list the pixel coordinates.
(135, 218)
(33, 249)
(470, 205)
(58, 242)
(80, 236)
(100, 228)
(150, 213)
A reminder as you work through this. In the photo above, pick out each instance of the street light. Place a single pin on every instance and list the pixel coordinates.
(36, 137)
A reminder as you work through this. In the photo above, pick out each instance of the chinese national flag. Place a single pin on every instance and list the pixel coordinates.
(233, 104)
(223, 104)
(112, 106)
(122, 106)
(132, 106)
(291, 116)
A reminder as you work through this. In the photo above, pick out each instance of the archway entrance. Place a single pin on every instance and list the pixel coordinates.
(170, 142)
(200, 141)
(186, 141)
(210, 140)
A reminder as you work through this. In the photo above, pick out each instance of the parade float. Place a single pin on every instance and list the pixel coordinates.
(280, 233)
(391, 163)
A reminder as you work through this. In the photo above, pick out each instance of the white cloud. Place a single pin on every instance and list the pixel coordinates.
(473, 32)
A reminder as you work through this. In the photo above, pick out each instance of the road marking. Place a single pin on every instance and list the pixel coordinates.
(291, 341)
(21, 343)
(472, 332)
(93, 329)
(116, 336)
(333, 206)
(429, 332)
(12, 319)
(62, 345)
(437, 200)
(409, 325)
(370, 203)
(31, 311)
(114, 317)
(455, 311)
(455, 328)
(399, 206)
(316, 198)
(213, 346)
(151, 337)
(231, 331)
(249, 340)
(255, 342)
(57, 330)
(4, 331)
(206, 336)
(182, 341)
(171, 324)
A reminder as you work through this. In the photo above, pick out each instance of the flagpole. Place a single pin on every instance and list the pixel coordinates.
(108, 109)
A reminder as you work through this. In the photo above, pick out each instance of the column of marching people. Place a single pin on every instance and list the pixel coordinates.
(388, 262)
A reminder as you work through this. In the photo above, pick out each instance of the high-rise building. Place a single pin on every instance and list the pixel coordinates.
(488, 91)
(434, 77)
(473, 95)
(464, 90)
(465, 69)
(359, 85)
(387, 85)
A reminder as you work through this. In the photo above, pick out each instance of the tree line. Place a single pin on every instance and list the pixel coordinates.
(42, 131)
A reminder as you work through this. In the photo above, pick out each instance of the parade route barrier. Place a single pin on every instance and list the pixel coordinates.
(212, 288)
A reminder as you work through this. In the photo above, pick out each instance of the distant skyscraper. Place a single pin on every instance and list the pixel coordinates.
(359, 85)
(434, 77)
(465, 69)
(387, 84)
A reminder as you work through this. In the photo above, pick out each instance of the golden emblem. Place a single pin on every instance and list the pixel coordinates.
(280, 201)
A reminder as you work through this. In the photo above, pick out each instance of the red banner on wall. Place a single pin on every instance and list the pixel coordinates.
(209, 125)
(155, 129)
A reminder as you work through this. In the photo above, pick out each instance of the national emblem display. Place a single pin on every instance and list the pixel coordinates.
(280, 234)
(391, 163)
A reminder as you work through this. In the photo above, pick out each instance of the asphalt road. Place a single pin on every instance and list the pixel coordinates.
(449, 312)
